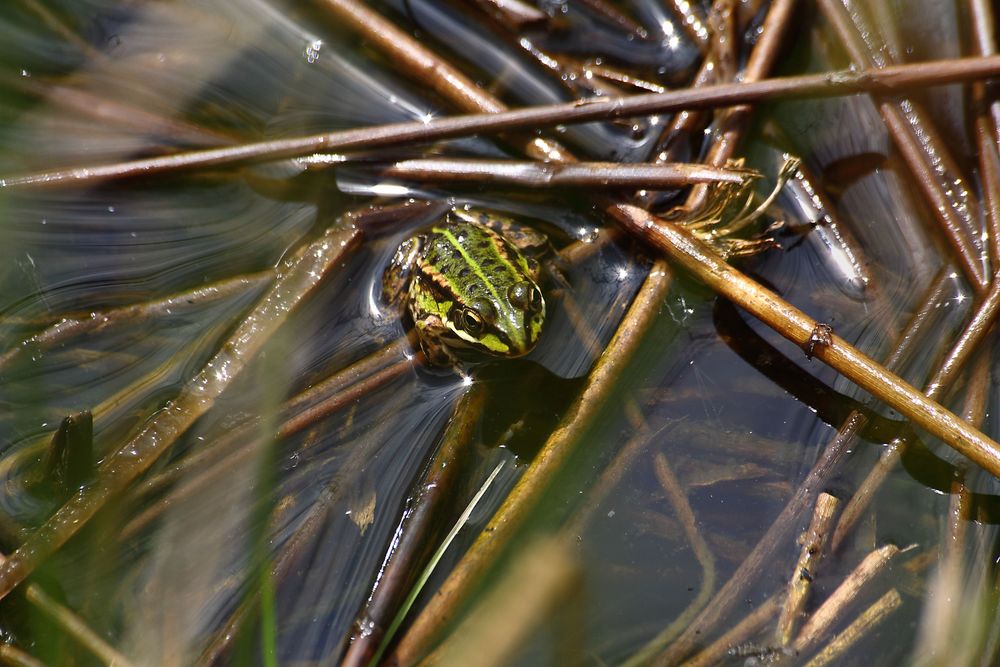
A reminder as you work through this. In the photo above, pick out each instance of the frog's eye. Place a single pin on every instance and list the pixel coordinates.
(471, 321)
(525, 296)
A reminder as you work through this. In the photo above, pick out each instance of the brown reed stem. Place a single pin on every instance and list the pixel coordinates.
(834, 607)
(987, 130)
(703, 262)
(984, 28)
(723, 47)
(813, 543)
(968, 342)
(685, 123)
(730, 124)
(884, 81)
(554, 174)
(905, 122)
(867, 621)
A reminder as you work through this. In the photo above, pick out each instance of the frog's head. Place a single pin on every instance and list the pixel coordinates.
(475, 292)
(503, 323)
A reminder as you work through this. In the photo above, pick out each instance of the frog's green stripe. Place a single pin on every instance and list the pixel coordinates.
(503, 251)
(476, 267)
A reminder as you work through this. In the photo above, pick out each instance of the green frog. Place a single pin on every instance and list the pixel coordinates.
(469, 286)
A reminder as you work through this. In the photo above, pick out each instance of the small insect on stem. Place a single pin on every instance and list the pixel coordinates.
(822, 335)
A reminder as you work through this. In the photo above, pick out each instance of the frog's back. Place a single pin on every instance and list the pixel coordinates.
(473, 262)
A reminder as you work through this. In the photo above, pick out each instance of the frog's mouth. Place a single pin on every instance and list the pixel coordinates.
(492, 344)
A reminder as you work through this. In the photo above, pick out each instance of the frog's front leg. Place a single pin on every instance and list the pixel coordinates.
(396, 278)
(429, 330)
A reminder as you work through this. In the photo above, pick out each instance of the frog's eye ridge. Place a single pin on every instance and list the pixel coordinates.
(525, 296)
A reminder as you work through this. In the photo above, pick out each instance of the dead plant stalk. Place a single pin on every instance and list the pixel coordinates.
(793, 324)
(887, 80)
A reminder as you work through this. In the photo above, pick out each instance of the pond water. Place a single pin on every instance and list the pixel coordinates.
(160, 272)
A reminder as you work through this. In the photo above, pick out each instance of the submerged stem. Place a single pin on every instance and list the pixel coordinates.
(703, 553)
(138, 312)
(859, 627)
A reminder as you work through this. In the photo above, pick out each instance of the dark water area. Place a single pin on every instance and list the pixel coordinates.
(738, 414)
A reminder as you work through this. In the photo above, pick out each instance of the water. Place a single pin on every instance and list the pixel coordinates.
(740, 415)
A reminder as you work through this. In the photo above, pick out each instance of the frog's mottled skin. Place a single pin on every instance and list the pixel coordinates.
(468, 287)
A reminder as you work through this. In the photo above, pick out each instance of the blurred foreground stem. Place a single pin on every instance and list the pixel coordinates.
(296, 278)
(407, 553)
(442, 608)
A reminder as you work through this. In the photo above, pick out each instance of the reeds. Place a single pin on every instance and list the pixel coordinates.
(804, 622)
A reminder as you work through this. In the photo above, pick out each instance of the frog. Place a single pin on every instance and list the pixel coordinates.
(471, 284)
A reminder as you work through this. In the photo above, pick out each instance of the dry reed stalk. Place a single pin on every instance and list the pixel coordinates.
(834, 607)
(555, 175)
(887, 80)
(859, 627)
(923, 151)
(813, 543)
(695, 256)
